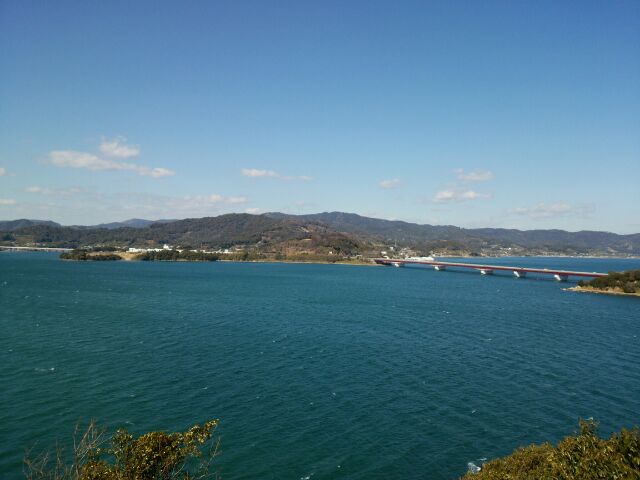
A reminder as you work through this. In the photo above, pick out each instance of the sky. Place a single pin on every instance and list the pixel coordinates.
(477, 114)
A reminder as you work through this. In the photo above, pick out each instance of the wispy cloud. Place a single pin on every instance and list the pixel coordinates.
(177, 207)
(55, 191)
(460, 192)
(118, 148)
(257, 173)
(391, 183)
(3, 171)
(475, 176)
(253, 211)
(552, 210)
(89, 161)
(6, 202)
(90, 206)
(216, 198)
(458, 195)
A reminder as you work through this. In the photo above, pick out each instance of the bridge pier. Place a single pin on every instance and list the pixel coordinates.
(486, 271)
(519, 273)
(561, 277)
(439, 268)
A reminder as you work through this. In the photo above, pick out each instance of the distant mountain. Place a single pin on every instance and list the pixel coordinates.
(131, 223)
(388, 231)
(11, 225)
(478, 239)
(339, 232)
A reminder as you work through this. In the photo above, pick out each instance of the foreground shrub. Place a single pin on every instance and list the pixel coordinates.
(152, 456)
(582, 457)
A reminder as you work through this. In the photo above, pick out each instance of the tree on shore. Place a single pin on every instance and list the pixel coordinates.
(627, 282)
(152, 456)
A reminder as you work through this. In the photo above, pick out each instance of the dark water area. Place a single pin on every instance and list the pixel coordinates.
(316, 371)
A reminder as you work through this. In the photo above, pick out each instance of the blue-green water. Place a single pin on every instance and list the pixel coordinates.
(317, 371)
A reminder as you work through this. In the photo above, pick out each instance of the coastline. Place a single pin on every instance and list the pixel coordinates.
(12, 248)
(131, 257)
(580, 289)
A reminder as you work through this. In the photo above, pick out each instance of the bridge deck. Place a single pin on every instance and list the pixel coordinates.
(477, 266)
(35, 249)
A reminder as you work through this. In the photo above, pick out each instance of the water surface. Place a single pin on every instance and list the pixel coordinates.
(319, 371)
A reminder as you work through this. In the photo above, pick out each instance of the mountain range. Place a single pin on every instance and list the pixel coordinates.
(343, 233)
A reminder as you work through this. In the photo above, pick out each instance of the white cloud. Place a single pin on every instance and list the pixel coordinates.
(7, 201)
(544, 210)
(257, 173)
(157, 172)
(477, 176)
(118, 149)
(3, 171)
(89, 161)
(456, 195)
(392, 183)
(252, 211)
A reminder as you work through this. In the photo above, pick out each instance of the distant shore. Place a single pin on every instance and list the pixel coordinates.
(126, 255)
(311, 262)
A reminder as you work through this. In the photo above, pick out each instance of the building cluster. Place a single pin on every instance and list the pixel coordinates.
(145, 250)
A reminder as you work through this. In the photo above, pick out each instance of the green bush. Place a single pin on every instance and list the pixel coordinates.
(584, 456)
(628, 282)
(152, 456)
(174, 255)
(82, 254)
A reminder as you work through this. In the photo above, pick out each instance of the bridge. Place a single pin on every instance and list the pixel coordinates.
(34, 249)
(518, 272)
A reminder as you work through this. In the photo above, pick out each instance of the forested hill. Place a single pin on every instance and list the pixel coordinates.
(336, 231)
(11, 225)
(404, 233)
(255, 231)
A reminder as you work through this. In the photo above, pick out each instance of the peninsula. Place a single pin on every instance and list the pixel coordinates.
(615, 283)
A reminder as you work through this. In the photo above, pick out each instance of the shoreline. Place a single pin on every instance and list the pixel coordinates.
(11, 248)
(580, 289)
(310, 262)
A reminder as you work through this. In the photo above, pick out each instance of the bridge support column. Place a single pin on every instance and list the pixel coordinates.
(519, 273)
(561, 277)
(486, 271)
(439, 268)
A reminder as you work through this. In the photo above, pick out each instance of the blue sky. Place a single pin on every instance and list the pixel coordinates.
(503, 114)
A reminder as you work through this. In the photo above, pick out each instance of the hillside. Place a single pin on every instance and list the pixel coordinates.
(11, 225)
(132, 222)
(479, 239)
(264, 234)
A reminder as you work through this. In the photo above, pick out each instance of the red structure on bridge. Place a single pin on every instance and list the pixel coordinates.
(519, 272)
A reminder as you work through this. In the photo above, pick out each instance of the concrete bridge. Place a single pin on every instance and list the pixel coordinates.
(35, 249)
(518, 272)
